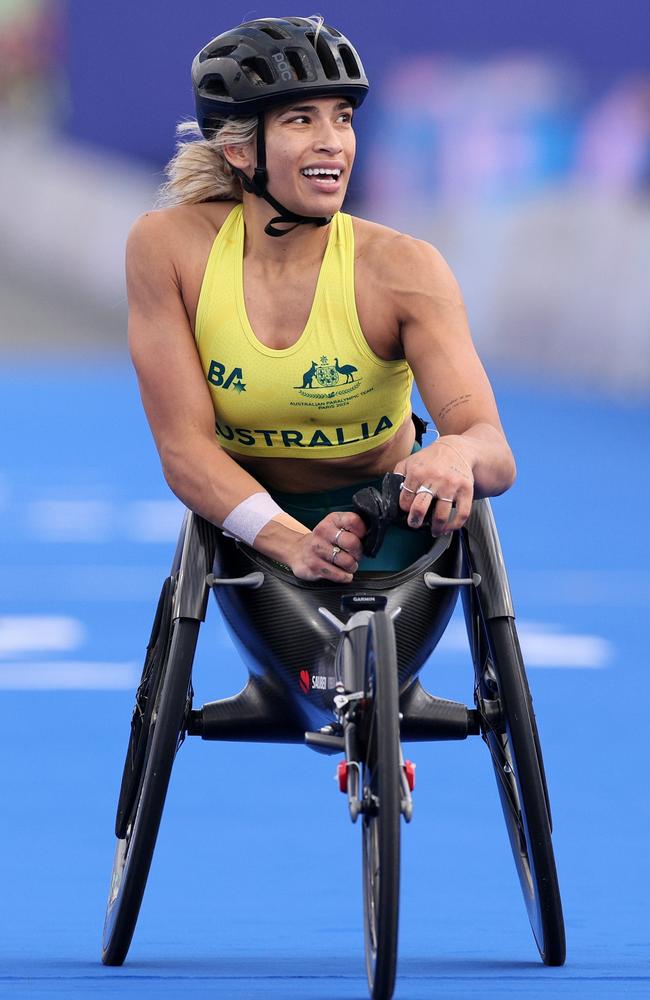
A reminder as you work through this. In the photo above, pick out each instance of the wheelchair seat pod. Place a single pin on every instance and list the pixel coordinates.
(289, 647)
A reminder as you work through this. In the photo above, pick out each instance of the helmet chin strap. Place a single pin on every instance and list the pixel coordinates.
(257, 186)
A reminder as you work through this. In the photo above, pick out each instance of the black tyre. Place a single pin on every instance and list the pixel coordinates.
(145, 701)
(381, 797)
(510, 731)
(161, 705)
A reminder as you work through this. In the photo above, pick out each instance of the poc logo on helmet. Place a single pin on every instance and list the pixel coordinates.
(283, 66)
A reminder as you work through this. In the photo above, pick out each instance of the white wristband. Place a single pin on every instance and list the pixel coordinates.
(246, 520)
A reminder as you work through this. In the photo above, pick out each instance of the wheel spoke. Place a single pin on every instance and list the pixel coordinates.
(504, 771)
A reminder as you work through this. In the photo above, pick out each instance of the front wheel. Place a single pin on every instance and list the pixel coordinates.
(510, 732)
(161, 707)
(381, 799)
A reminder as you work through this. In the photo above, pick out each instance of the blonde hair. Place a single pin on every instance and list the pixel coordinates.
(199, 170)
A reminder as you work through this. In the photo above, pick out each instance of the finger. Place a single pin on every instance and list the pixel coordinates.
(419, 507)
(321, 568)
(345, 561)
(443, 516)
(463, 510)
(408, 492)
(347, 520)
(338, 570)
(335, 555)
(348, 542)
(328, 572)
(350, 521)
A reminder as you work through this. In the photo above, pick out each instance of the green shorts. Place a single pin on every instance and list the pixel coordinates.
(402, 545)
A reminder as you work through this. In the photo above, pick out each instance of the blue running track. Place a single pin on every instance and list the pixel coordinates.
(255, 889)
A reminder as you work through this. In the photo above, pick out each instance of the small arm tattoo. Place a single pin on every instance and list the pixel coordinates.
(452, 404)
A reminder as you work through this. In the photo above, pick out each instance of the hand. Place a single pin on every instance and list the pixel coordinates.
(445, 478)
(332, 550)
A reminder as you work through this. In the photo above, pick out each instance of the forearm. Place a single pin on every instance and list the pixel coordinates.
(211, 483)
(486, 452)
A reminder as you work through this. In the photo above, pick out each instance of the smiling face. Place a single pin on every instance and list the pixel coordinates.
(310, 146)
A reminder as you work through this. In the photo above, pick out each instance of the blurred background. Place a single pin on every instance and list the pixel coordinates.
(515, 136)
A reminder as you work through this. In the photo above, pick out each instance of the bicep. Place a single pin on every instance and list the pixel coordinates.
(439, 349)
(173, 388)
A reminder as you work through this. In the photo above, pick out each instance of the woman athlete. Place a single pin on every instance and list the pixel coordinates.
(276, 338)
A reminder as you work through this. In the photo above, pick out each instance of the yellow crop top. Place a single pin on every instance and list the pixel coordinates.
(328, 395)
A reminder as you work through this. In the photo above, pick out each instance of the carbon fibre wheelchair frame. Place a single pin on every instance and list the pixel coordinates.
(298, 655)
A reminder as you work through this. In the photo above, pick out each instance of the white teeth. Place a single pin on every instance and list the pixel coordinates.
(314, 171)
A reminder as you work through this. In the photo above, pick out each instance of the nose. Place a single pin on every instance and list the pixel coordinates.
(327, 140)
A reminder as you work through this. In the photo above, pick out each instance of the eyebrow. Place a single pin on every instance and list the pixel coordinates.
(311, 108)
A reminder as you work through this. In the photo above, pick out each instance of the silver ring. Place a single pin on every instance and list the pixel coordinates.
(445, 499)
(335, 552)
(406, 489)
(338, 535)
(425, 489)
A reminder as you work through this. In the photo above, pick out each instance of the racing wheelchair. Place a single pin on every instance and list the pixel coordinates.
(365, 644)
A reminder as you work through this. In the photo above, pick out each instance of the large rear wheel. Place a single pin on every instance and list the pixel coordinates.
(381, 798)
(157, 728)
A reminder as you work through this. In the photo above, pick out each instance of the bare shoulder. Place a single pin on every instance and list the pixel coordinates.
(167, 250)
(163, 229)
(401, 262)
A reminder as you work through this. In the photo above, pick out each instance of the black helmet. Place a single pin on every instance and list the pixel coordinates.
(265, 62)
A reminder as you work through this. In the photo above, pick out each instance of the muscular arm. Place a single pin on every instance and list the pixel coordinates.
(451, 379)
(175, 394)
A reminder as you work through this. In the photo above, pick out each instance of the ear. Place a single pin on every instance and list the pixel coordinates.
(239, 156)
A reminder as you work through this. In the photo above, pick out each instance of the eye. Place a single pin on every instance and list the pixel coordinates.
(346, 117)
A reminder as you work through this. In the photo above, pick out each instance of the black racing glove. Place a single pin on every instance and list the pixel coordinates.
(381, 509)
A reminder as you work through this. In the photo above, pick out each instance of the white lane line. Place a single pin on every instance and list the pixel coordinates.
(583, 588)
(153, 520)
(69, 675)
(88, 584)
(70, 520)
(74, 520)
(544, 645)
(39, 633)
(547, 646)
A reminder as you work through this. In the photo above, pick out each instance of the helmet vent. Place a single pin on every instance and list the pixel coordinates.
(257, 70)
(324, 53)
(273, 32)
(332, 31)
(350, 63)
(214, 86)
(222, 50)
(298, 62)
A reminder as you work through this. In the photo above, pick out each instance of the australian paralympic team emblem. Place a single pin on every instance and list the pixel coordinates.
(326, 375)
(321, 379)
